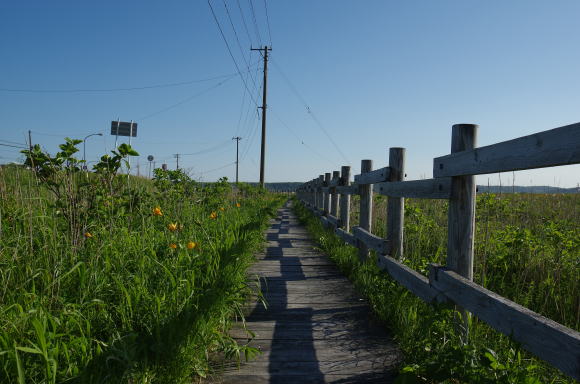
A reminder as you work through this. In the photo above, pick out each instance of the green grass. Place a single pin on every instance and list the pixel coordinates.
(121, 305)
(527, 249)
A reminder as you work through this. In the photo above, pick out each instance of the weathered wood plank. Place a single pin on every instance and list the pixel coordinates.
(559, 146)
(410, 279)
(365, 207)
(374, 242)
(346, 236)
(550, 341)
(347, 189)
(344, 198)
(419, 189)
(373, 177)
(396, 205)
(333, 220)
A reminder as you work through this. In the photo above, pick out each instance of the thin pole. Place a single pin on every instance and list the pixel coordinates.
(237, 139)
(265, 50)
(117, 133)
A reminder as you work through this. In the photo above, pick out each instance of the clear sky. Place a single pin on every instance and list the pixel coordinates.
(371, 74)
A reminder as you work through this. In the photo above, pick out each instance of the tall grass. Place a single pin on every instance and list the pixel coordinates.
(527, 249)
(135, 299)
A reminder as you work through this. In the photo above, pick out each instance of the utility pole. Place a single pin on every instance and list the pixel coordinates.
(264, 50)
(237, 139)
(177, 158)
(30, 140)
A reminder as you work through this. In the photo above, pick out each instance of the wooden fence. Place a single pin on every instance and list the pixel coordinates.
(328, 196)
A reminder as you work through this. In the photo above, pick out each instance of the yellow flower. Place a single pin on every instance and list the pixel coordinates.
(88, 235)
(191, 245)
(157, 211)
(173, 246)
(213, 215)
(172, 227)
(238, 205)
(222, 209)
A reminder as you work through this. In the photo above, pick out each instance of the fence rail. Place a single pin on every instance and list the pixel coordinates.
(454, 180)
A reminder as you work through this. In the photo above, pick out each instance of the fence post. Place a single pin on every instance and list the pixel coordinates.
(345, 199)
(326, 195)
(366, 206)
(461, 216)
(319, 198)
(396, 205)
(334, 196)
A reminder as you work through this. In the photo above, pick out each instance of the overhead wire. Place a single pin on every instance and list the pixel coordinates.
(186, 99)
(244, 22)
(257, 30)
(13, 146)
(97, 90)
(268, 22)
(229, 49)
(310, 112)
(12, 142)
(237, 39)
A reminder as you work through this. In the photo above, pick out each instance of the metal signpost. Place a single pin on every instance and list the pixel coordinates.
(150, 158)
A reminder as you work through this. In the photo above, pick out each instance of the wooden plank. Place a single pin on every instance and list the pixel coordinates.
(333, 220)
(347, 237)
(344, 210)
(334, 194)
(550, 341)
(419, 189)
(376, 176)
(375, 242)
(559, 146)
(396, 205)
(410, 279)
(365, 207)
(347, 189)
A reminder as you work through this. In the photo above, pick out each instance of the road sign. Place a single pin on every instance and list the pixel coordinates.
(150, 157)
(123, 128)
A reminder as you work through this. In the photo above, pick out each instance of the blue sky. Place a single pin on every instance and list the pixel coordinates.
(374, 75)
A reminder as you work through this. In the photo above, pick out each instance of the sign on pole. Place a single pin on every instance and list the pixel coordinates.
(123, 128)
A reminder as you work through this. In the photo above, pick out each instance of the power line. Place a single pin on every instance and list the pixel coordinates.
(257, 30)
(207, 150)
(11, 142)
(268, 22)
(216, 169)
(186, 99)
(13, 146)
(244, 21)
(237, 39)
(310, 112)
(168, 85)
(229, 49)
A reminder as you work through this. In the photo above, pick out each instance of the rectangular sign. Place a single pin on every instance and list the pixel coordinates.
(123, 128)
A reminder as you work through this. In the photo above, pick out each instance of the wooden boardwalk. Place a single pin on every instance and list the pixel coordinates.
(315, 329)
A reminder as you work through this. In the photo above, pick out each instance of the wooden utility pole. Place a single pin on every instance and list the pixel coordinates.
(264, 50)
(237, 139)
(177, 158)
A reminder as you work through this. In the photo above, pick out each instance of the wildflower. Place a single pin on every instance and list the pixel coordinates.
(191, 245)
(157, 211)
(213, 215)
(238, 205)
(172, 227)
(173, 246)
(88, 235)
(222, 209)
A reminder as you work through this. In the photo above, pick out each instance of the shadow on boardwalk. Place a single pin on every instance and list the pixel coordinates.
(315, 328)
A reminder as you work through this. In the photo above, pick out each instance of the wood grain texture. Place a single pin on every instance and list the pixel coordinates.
(344, 198)
(410, 279)
(347, 190)
(418, 189)
(365, 207)
(315, 327)
(550, 341)
(373, 177)
(559, 146)
(396, 205)
(461, 214)
(346, 237)
(334, 194)
(374, 242)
